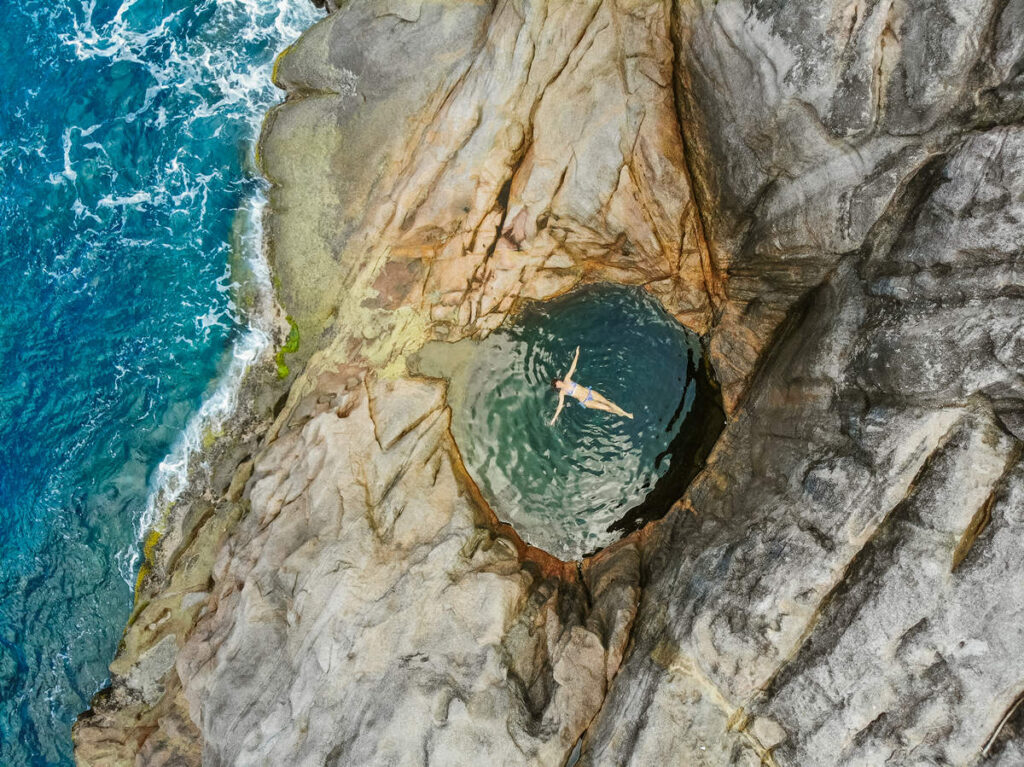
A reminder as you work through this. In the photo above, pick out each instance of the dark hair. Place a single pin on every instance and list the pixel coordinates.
(554, 383)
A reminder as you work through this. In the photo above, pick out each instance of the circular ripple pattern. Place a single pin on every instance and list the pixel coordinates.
(577, 486)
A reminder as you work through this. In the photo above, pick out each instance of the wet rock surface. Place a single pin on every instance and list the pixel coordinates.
(832, 192)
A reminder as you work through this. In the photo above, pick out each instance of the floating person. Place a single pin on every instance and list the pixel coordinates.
(586, 396)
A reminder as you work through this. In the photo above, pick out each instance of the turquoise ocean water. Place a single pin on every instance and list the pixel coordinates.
(126, 132)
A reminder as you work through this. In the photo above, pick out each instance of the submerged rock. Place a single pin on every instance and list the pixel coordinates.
(833, 193)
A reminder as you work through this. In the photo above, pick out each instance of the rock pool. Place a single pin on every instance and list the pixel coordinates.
(581, 484)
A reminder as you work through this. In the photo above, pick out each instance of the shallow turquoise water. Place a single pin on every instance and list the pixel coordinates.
(577, 486)
(125, 132)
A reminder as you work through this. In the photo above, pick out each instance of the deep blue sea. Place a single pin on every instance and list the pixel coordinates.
(126, 137)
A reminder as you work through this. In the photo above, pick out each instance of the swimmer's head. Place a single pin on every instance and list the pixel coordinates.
(554, 383)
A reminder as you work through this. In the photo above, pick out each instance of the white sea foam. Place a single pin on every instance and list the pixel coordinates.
(234, 88)
(111, 201)
(170, 479)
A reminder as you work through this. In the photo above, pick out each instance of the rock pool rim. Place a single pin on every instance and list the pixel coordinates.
(687, 451)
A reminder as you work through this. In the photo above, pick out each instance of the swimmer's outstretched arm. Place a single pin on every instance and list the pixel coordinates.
(558, 410)
(572, 367)
(561, 394)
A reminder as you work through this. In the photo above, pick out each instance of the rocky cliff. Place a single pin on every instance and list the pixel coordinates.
(831, 192)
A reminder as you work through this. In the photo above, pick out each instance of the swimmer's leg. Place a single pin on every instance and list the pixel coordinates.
(601, 402)
(611, 407)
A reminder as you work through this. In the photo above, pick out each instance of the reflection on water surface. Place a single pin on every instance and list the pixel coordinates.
(577, 486)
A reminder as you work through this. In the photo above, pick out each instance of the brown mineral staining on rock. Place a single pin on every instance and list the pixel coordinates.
(832, 192)
(434, 165)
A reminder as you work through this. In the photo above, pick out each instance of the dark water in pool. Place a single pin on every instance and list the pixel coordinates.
(564, 487)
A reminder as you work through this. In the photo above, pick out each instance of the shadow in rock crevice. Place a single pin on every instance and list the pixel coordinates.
(689, 449)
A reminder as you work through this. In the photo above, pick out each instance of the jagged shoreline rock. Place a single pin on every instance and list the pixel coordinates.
(832, 193)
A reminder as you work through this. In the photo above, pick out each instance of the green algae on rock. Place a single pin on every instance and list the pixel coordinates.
(290, 346)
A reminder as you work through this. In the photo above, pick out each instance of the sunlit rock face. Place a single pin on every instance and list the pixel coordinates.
(830, 193)
(425, 179)
(576, 485)
(365, 570)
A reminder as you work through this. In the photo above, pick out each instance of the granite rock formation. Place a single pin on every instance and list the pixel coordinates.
(832, 192)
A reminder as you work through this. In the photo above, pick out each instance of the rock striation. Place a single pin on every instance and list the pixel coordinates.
(366, 614)
(831, 192)
(845, 590)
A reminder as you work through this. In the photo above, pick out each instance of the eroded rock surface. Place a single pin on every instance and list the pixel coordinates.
(846, 589)
(425, 157)
(832, 191)
(366, 611)
(366, 616)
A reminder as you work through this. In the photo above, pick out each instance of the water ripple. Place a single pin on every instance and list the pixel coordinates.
(563, 487)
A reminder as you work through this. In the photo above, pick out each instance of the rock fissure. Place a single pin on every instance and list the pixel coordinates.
(983, 516)
(854, 568)
(709, 268)
(994, 737)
